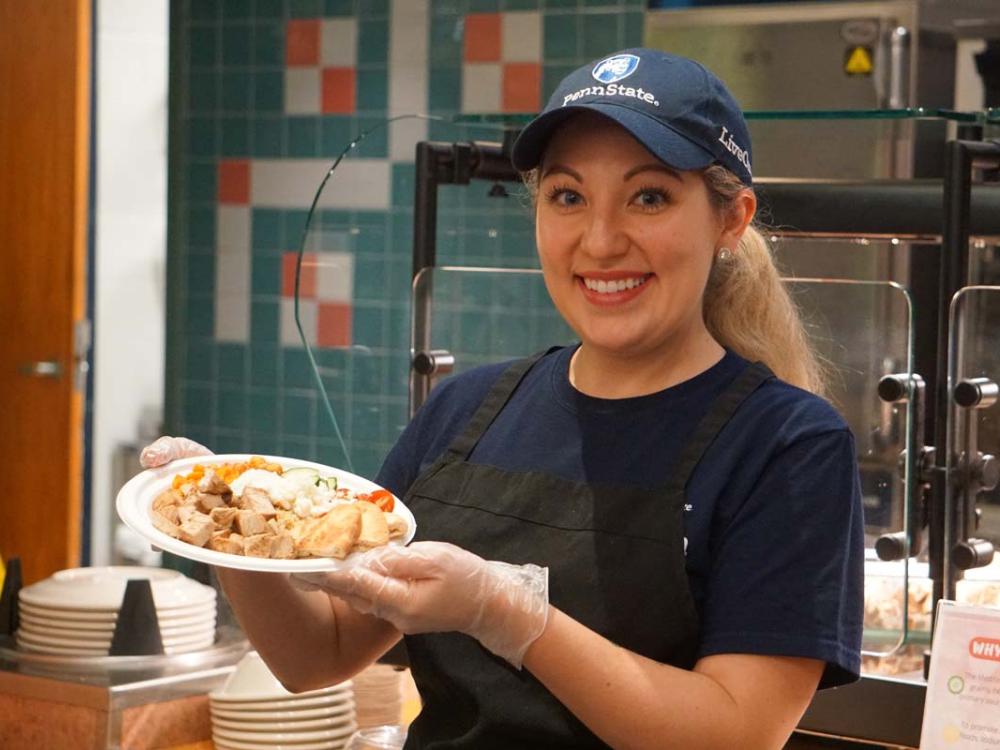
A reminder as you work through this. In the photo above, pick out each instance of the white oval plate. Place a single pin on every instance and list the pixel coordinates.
(280, 702)
(100, 589)
(270, 738)
(136, 498)
(56, 625)
(224, 744)
(110, 616)
(329, 723)
(250, 715)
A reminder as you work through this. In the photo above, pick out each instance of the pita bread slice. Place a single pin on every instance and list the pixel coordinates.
(333, 534)
(374, 529)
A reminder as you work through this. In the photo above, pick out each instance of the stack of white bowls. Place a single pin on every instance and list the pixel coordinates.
(377, 692)
(253, 711)
(74, 612)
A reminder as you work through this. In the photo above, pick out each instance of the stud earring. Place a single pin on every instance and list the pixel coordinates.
(724, 255)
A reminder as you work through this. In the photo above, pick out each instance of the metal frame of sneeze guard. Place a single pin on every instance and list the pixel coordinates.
(877, 709)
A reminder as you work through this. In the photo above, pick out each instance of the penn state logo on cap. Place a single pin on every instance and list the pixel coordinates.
(615, 68)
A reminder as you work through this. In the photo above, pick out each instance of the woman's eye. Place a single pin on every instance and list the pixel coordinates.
(651, 198)
(564, 197)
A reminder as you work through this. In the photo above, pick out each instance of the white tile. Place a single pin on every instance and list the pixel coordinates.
(335, 277)
(232, 228)
(404, 136)
(302, 91)
(291, 183)
(232, 317)
(521, 37)
(409, 28)
(339, 42)
(308, 316)
(481, 87)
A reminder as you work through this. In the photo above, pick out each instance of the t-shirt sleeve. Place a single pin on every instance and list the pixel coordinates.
(788, 575)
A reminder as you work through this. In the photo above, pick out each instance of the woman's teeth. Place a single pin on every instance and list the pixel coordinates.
(610, 287)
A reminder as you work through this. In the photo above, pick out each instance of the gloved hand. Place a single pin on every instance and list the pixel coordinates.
(433, 587)
(165, 449)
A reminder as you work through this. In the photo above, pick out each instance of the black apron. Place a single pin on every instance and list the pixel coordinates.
(616, 564)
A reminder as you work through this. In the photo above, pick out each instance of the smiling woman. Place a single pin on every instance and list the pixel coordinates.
(597, 560)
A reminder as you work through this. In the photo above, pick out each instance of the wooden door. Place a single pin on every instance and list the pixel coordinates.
(44, 164)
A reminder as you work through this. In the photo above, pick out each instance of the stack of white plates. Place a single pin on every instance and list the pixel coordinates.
(74, 612)
(253, 711)
(377, 692)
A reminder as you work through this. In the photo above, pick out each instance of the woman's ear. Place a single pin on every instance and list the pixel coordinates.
(738, 218)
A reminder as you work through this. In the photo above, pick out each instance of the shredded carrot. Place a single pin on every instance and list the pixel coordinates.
(226, 472)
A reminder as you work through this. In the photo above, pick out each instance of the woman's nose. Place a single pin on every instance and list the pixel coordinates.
(604, 236)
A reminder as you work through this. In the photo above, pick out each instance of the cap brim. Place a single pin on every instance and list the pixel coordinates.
(661, 140)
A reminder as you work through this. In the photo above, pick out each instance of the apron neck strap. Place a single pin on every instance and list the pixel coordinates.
(461, 448)
(719, 414)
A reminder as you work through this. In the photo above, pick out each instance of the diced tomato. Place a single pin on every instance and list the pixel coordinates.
(383, 499)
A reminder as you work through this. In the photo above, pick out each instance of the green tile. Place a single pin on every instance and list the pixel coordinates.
(201, 226)
(373, 41)
(335, 134)
(368, 279)
(448, 7)
(264, 323)
(204, 10)
(200, 315)
(266, 275)
(200, 273)
(600, 34)
(265, 229)
(201, 182)
(236, 44)
(262, 408)
(444, 90)
(199, 360)
(484, 6)
(235, 10)
(370, 8)
(230, 441)
(269, 9)
(376, 144)
(235, 136)
(264, 359)
(372, 90)
(367, 325)
(519, 4)
(232, 410)
(201, 137)
(552, 75)
(561, 3)
(298, 447)
(269, 91)
(305, 8)
(203, 92)
(600, 3)
(302, 136)
(198, 402)
(263, 443)
(231, 363)
(632, 35)
(403, 183)
(366, 423)
(446, 40)
(560, 36)
(339, 8)
(269, 44)
(296, 370)
(294, 224)
(203, 46)
(298, 415)
(236, 91)
(371, 243)
(268, 136)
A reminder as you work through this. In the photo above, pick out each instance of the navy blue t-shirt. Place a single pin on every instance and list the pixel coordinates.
(773, 521)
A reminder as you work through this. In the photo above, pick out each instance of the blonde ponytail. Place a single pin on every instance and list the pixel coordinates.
(747, 307)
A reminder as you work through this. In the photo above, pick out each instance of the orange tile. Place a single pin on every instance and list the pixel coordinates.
(334, 324)
(302, 42)
(234, 181)
(338, 91)
(482, 37)
(307, 280)
(522, 87)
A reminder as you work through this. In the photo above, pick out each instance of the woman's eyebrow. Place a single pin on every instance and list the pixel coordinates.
(562, 169)
(652, 167)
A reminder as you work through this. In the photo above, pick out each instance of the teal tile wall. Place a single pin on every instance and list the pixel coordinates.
(227, 82)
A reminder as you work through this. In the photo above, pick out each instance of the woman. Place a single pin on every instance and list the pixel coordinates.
(651, 541)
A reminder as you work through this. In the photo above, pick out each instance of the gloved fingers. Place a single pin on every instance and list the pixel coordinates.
(355, 581)
(419, 560)
(165, 449)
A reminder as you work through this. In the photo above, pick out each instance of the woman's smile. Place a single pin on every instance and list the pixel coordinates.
(611, 289)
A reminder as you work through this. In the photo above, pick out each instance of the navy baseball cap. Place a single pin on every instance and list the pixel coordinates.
(680, 111)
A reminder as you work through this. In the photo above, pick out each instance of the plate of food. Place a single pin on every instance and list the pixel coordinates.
(264, 513)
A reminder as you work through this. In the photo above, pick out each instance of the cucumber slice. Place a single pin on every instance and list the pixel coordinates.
(303, 476)
(329, 482)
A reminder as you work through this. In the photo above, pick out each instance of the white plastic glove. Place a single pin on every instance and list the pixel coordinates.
(165, 449)
(433, 587)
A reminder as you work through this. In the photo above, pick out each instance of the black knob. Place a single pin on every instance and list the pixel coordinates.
(423, 363)
(891, 547)
(891, 388)
(976, 393)
(972, 553)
